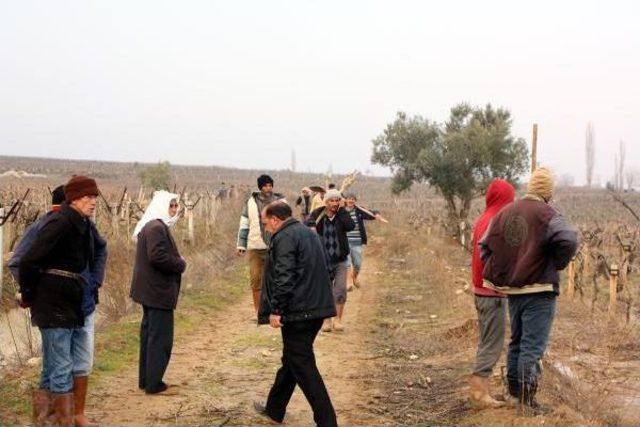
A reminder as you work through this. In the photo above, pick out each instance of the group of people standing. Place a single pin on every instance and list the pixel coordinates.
(298, 278)
(297, 282)
(519, 247)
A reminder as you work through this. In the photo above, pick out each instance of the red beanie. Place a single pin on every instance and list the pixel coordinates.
(80, 186)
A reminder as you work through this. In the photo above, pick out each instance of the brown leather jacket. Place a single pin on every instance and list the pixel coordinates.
(526, 245)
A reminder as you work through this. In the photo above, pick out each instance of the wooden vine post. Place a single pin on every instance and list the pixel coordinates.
(571, 273)
(189, 213)
(114, 218)
(613, 288)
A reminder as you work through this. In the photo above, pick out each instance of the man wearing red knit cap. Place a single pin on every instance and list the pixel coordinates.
(52, 268)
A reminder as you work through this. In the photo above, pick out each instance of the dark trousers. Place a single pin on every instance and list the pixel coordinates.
(531, 319)
(299, 367)
(156, 342)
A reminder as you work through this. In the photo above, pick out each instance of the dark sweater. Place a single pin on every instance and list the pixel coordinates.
(342, 222)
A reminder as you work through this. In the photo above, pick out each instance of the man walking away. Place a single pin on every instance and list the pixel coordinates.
(332, 224)
(491, 306)
(296, 297)
(526, 245)
(52, 284)
(252, 237)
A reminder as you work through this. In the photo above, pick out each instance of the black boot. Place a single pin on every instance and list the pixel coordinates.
(530, 405)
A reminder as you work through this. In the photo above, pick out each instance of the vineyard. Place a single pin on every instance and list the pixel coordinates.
(603, 279)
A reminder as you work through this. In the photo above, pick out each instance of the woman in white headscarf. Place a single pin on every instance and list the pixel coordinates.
(155, 285)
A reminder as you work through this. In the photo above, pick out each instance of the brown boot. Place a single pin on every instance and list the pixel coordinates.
(479, 393)
(80, 385)
(62, 410)
(41, 407)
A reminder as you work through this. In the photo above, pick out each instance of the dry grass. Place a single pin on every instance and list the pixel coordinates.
(428, 338)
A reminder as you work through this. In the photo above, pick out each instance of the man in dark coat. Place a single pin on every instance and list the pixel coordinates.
(155, 285)
(332, 223)
(296, 297)
(526, 245)
(50, 274)
(82, 341)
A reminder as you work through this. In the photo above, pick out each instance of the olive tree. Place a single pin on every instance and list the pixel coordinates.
(157, 176)
(458, 158)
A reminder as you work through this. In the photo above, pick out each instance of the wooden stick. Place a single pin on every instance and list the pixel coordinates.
(571, 274)
(368, 212)
(613, 288)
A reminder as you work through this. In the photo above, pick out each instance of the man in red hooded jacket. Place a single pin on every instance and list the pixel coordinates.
(490, 305)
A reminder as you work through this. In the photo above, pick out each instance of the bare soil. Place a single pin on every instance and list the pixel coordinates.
(228, 362)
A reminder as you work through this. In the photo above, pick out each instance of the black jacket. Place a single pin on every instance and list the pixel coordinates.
(363, 216)
(295, 282)
(343, 224)
(158, 270)
(64, 243)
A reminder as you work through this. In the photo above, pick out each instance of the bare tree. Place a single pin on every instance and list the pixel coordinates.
(620, 170)
(590, 152)
(631, 177)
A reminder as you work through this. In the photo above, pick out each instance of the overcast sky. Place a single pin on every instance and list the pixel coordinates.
(242, 83)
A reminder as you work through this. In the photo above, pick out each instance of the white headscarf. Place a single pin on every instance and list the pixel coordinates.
(158, 209)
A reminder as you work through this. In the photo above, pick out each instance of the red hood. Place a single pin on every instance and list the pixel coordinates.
(499, 194)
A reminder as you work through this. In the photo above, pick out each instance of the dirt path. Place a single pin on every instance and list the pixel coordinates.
(228, 362)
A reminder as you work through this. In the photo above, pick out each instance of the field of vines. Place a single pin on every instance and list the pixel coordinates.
(212, 200)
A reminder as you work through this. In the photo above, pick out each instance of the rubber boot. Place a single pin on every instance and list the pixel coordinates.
(80, 385)
(479, 393)
(41, 407)
(529, 405)
(63, 411)
(513, 393)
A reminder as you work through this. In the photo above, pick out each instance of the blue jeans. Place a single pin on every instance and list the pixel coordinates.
(531, 319)
(66, 353)
(355, 257)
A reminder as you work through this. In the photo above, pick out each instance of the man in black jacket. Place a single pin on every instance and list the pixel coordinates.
(332, 223)
(51, 283)
(296, 297)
